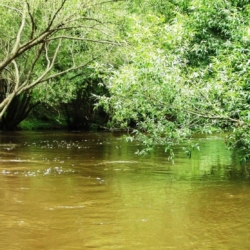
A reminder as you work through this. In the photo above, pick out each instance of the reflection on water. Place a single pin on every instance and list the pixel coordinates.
(90, 191)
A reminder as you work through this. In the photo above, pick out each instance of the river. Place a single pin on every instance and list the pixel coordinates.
(64, 190)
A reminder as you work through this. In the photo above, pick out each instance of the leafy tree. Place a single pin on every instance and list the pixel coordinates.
(183, 69)
(219, 60)
(184, 76)
(42, 40)
(145, 91)
(212, 27)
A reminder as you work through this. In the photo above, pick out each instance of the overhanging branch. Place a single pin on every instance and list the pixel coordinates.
(83, 39)
(213, 117)
(45, 79)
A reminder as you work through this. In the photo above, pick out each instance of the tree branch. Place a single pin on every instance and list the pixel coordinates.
(34, 63)
(109, 1)
(18, 38)
(15, 48)
(5, 103)
(50, 64)
(33, 25)
(70, 69)
(11, 8)
(17, 77)
(55, 15)
(41, 80)
(213, 117)
(83, 39)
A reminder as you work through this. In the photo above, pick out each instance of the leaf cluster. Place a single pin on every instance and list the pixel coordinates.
(182, 75)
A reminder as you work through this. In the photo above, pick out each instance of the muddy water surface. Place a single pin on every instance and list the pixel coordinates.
(90, 191)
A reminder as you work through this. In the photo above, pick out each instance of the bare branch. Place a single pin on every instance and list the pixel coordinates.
(5, 103)
(92, 27)
(33, 25)
(41, 80)
(68, 70)
(15, 48)
(18, 38)
(36, 58)
(11, 8)
(32, 43)
(82, 19)
(23, 48)
(50, 64)
(109, 1)
(46, 56)
(213, 117)
(55, 15)
(82, 39)
(17, 77)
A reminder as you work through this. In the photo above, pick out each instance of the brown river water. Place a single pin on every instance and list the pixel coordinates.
(91, 191)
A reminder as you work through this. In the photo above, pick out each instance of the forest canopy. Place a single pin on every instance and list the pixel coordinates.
(163, 70)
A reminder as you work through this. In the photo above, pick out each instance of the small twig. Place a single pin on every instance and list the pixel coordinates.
(213, 117)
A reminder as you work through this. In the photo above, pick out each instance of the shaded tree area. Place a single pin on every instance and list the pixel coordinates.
(18, 110)
(73, 105)
(79, 113)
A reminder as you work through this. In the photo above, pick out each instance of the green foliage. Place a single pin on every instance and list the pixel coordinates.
(145, 90)
(182, 76)
(181, 67)
(43, 40)
(212, 26)
(239, 141)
